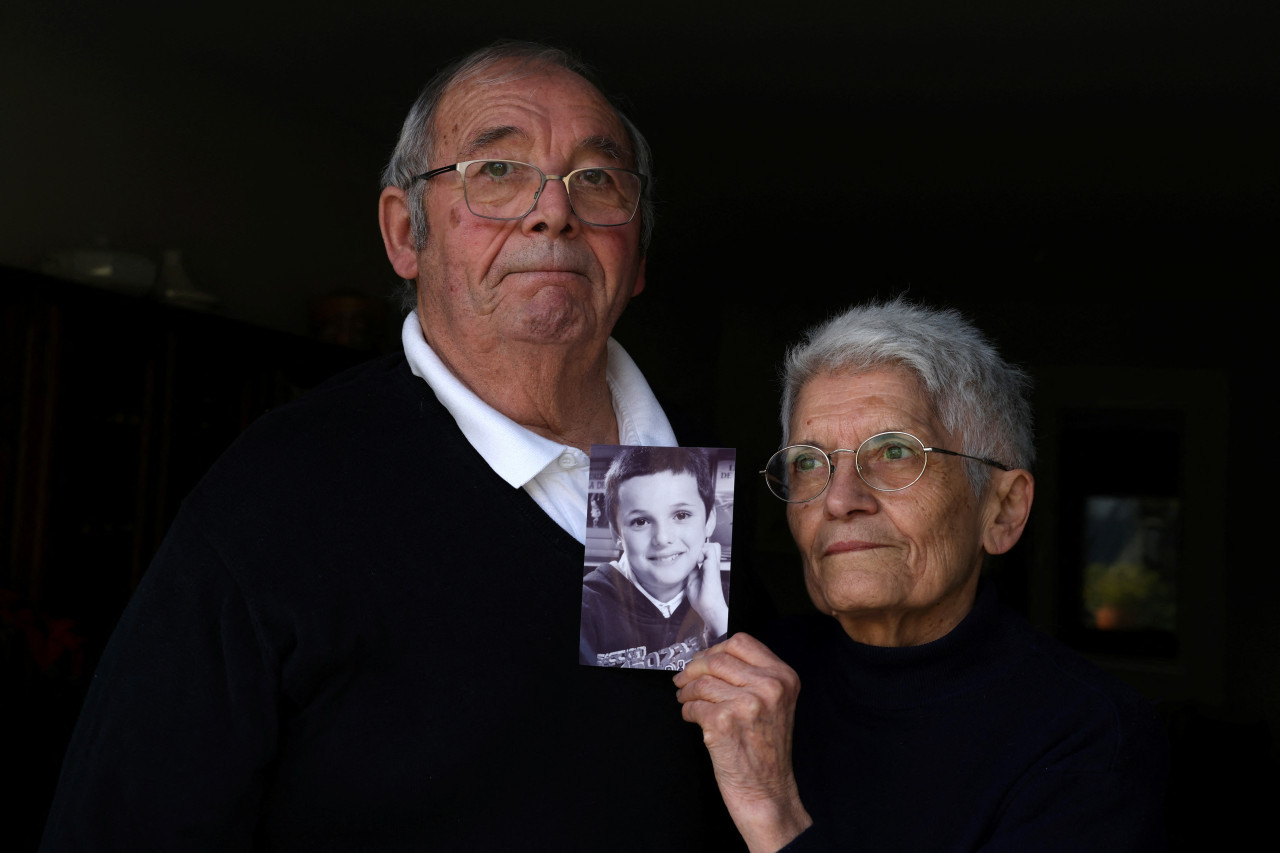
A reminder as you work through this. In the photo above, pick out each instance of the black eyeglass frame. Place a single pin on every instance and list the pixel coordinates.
(461, 168)
(831, 464)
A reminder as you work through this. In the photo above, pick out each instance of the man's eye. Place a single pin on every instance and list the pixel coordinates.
(495, 169)
(594, 177)
(683, 515)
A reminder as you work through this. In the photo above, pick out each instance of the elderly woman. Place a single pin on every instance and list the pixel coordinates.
(932, 718)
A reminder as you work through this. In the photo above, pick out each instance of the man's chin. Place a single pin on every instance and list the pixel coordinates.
(552, 316)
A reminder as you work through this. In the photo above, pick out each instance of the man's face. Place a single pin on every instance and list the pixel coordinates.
(546, 278)
(896, 568)
(663, 524)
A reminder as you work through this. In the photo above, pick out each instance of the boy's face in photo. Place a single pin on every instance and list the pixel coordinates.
(663, 525)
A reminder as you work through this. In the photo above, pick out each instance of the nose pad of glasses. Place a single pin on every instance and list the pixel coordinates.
(546, 182)
(854, 479)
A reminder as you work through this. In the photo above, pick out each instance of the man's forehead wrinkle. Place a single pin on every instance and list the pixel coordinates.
(598, 143)
(488, 136)
(487, 113)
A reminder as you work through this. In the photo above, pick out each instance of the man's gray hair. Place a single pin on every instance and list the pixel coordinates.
(414, 152)
(980, 398)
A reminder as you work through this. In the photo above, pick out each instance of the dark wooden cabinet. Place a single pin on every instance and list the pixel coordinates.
(114, 406)
(111, 409)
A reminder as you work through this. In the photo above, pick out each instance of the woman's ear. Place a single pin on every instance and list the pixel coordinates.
(1010, 494)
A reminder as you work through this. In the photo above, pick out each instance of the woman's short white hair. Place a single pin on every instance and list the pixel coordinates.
(980, 398)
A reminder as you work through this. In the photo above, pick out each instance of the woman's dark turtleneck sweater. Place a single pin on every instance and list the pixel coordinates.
(994, 738)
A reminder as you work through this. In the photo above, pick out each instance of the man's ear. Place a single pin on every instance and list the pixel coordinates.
(711, 523)
(397, 233)
(1010, 494)
(639, 278)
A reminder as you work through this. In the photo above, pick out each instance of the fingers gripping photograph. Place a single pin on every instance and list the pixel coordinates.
(655, 588)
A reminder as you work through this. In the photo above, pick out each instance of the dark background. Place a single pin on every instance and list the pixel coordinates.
(1095, 183)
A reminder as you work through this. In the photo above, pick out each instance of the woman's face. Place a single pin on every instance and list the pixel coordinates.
(895, 568)
(663, 525)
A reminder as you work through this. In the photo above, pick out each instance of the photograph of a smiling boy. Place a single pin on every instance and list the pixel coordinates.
(664, 595)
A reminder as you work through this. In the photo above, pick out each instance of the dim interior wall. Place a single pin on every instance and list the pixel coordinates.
(271, 203)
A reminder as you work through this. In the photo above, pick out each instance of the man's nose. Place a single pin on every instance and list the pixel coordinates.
(552, 213)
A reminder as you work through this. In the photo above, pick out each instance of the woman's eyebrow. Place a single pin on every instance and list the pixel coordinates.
(809, 442)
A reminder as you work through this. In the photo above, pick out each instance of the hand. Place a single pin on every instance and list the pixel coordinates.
(706, 593)
(744, 698)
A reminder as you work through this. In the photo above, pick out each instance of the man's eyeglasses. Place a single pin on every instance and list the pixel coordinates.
(888, 462)
(508, 189)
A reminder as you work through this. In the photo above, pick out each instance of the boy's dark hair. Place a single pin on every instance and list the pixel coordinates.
(639, 461)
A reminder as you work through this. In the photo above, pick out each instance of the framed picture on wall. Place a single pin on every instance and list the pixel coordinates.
(1130, 520)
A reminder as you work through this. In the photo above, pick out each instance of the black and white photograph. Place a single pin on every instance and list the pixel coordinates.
(655, 587)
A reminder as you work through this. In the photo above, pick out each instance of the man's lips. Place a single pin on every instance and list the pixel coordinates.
(549, 266)
(667, 559)
(548, 278)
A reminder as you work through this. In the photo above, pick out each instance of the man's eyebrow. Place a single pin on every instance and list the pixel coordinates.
(606, 145)
(601, 144)
(491, 135)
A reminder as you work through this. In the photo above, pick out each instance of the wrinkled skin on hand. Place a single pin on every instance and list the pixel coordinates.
(744, 698)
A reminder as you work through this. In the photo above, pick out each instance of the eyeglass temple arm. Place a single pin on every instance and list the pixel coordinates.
(993, 463)
(426, 176)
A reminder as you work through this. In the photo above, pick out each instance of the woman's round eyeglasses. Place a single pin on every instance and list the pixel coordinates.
(887, 462)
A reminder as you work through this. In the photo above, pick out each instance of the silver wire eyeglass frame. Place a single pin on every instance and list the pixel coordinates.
(461, 168)
(779, 488)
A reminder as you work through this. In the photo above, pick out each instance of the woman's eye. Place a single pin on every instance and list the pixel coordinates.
(807, 464)
(896, 452)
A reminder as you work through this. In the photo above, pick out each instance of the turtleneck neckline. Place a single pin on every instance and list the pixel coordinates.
(978, 650)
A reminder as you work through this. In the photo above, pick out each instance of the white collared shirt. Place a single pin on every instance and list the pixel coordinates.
(555, 475)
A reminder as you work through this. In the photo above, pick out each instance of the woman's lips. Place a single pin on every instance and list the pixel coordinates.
(849, 547)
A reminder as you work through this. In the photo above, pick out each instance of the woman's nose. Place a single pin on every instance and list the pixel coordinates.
(847, 492)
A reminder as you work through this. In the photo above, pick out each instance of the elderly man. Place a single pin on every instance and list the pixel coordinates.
(931, 718)
(361, 631)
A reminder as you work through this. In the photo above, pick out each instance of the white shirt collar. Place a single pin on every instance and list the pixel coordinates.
(517, 454)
